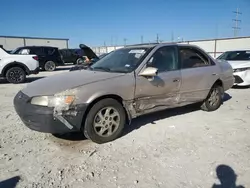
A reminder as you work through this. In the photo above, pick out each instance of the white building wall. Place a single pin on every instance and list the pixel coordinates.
(46, 42)
(208, 46)
(11, 43)
(233, 44)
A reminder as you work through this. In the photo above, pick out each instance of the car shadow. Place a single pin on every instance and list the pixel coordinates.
(73, 136)
(10, 183)
(241, 87)
(63, 68)
(156, 116)
(142, 120)
(227, 177)
(226, 97)
(28, 80)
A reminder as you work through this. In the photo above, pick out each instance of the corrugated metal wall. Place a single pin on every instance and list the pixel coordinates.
(214, 47)
(10, 43)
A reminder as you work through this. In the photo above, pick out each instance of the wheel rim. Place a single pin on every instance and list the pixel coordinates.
(214, 97)
(106, 121)
(16, 75)
(79, 61)
(50, 66)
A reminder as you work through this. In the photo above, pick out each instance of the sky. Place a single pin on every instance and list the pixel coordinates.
(109, 22)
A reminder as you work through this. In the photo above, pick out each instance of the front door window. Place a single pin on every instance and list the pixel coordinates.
(164, 59)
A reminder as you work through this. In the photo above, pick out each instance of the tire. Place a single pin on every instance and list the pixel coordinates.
(79, 61)
(97, 129)
(214, 99)
(15, 75)
(49, 66)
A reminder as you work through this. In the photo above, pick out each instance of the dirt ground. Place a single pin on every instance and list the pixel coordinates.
(175, 148)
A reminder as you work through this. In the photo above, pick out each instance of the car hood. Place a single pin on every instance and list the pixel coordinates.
(239, 64)
(65, 81)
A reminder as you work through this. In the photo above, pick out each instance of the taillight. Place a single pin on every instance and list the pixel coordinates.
(35, 57)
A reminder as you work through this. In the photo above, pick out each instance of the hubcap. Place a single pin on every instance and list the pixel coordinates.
(16, 75)
(79, 61)
(50, 65)
(106, 121)
(214, 97)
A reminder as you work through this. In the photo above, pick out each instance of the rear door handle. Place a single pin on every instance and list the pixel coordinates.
(176, 80)
(214, 74)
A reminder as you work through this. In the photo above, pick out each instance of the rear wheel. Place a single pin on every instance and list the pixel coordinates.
(214, 99)
(49, 66)
(105, 121)
(79, 61)
(15, 75)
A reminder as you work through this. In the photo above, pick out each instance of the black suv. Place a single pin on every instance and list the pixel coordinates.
(49, 57)
(77, 56)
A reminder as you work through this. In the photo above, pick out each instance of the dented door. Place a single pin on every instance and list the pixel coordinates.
(161, 91)
(199, 73)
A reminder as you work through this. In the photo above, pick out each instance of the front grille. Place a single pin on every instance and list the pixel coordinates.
(238, 80)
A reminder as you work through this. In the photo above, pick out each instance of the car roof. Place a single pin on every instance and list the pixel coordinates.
(152, 45)
(37, 47)
(238, 50)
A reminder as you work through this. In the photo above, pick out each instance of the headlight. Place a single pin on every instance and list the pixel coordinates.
(53, 101)
(241, 69)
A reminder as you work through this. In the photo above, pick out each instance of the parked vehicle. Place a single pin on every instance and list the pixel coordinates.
(78, 56)
(49, 57)
(103, 55)
(71, 56)
(240, 61)
(128, 83)
(15, 68)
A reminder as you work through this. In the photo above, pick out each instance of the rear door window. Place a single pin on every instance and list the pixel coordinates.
(192, 58)
(49, 51)
(24, 51)
(38, 51)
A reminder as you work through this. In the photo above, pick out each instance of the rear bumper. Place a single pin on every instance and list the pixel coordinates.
(242, 78)
(36, 71)
(42, 119)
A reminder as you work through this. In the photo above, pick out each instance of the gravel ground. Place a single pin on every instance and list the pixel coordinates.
(173, 148)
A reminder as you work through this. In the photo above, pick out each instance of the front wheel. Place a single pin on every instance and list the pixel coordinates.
(214, 99)
(105, 121)
(49, 66)
(15, 75)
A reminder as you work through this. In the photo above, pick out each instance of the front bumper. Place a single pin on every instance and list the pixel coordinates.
(242, 78)
(42, 119)
(36, 71)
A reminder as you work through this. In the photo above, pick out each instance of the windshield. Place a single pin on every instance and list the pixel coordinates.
(123, 60)
(235, 56)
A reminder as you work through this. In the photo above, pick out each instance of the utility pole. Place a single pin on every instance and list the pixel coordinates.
(125, 41)
(172, 37)
(111, 40)
(142, 39)
(157, 38)
(236, 21)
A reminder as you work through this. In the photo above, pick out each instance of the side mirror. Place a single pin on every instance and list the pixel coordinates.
(149, 72)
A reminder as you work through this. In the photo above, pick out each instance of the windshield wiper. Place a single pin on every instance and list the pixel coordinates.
(101, 68)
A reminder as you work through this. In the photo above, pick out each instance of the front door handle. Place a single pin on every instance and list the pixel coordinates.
(176, 80)
(214, 74)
